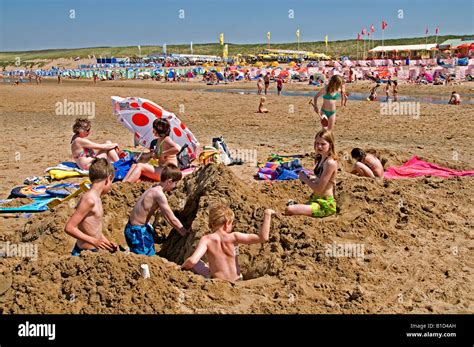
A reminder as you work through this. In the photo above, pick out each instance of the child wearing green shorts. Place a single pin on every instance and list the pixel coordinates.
(321, 203)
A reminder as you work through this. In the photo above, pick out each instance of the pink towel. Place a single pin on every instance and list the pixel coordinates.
(416, 167)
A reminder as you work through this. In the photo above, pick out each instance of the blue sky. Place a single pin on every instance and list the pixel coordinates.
(46, 24)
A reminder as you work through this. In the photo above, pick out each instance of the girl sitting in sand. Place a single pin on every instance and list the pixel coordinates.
(261, 107)
(455, 99)
(367, 165)
(83, 150)
(332, 91)
(163, 148)
(321, 203)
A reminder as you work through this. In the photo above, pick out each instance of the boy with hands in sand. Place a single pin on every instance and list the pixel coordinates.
(221, 247)
(367, 165)
(86, 223)
(138, 231)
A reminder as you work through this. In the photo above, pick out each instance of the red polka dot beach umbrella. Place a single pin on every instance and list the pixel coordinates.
(137, 115)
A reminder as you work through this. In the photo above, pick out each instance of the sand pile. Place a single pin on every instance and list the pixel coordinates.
(397, 227)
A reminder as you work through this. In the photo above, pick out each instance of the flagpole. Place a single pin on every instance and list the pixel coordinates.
(363, 51)
(357, 49)
(383, 47)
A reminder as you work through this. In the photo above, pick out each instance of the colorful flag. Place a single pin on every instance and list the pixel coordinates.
(372, 28)
(326, 40)
(298, 34)
(368, 34)
(437, 30)
(358, 37)
(426, 31)
(363, 31)
(221, 38)
(225, 54)
(268, 36)
(384, 25)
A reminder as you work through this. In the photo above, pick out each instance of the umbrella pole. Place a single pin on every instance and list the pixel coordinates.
(140, 155)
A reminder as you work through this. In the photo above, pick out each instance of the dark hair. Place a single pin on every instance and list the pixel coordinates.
(81, 124)
(100, 169)
(172, 172)
(162, 127)
(357, 154)
(453, 92)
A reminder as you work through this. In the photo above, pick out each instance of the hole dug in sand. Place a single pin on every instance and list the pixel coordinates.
(292, 265)
(212, 184)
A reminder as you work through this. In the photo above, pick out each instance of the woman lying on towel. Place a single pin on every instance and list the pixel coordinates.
(163, 148)
(84, 150)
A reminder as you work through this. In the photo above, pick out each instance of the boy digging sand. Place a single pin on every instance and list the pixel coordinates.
(138, 231)
(220, 246)
(86, 223)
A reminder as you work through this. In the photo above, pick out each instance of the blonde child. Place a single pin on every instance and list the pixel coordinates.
(261, 107)
(83, 149)
(220, 247)
(86, 222)
(332, 91)
(321, 203)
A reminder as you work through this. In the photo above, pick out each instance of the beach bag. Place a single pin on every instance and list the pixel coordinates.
(121, 168)
(219, 144)
(184, 160)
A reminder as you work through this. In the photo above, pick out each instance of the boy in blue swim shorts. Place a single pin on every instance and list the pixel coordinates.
(138, 231)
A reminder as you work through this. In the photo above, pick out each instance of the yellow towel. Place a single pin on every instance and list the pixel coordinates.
(62, 174)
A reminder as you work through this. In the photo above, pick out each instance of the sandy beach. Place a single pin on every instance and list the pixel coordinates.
(416, 233)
